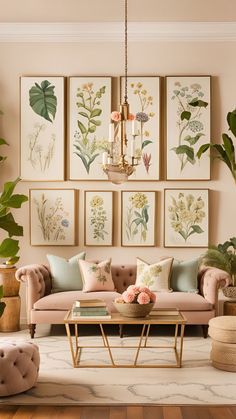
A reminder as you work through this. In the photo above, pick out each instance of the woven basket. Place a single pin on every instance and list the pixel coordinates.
(133, 310)
(229, 292)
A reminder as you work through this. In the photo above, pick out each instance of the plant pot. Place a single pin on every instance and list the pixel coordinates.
(229, 292)
(133, 310)
(10, 285)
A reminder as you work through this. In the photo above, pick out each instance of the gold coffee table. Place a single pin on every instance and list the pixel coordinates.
(159, 317)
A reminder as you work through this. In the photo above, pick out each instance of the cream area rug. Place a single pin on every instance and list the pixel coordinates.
(197, 382)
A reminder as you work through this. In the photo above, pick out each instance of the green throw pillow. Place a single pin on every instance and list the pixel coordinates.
(65, 273)
(184, 276)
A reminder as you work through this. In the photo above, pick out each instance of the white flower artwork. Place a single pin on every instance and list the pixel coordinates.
(186, 217)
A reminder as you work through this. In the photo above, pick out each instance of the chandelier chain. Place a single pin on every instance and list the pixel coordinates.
(126, 50)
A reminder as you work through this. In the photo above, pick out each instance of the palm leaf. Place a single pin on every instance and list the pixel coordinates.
(213, 257)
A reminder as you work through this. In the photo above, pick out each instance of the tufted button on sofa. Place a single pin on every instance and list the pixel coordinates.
(19, 366)
(51, 308)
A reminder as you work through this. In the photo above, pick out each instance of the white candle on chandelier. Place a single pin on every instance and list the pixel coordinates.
(132, 148)
(111, 132)
(134, 127)
(104, 157)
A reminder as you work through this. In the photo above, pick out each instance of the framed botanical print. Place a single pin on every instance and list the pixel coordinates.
(186, 218)
(98, 215)
(89, 117)
(144, 99)
(52, 217)
(188, 126)
(138, 211)
(42, 128)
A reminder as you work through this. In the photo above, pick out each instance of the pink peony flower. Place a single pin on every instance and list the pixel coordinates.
(145, 289)
(153, 297)
(115, 116)
(128, 296)
(133, 288)
(131, 117)
(143, 298)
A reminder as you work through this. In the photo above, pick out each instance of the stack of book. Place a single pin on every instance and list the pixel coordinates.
(88, 309)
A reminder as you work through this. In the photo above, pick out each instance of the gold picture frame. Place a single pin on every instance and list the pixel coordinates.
(42, 128)
(150, 140)
(138, 218)
(193, 204)
(99, 221)
(85, 164)
(53, 220)
(187, 127)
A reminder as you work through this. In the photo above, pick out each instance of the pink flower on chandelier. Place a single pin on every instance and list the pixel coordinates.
(115, 116)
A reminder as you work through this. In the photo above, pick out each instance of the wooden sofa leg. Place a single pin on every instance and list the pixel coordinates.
(121, 330)
(205, 330)
(32, 327)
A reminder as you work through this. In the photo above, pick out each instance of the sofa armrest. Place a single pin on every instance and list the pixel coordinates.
(38, 282)
(210, 281)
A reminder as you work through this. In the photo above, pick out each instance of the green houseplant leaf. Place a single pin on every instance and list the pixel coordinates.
(43, 100)
(231, 119)
(222, 257)
(226, 151)
(9, 247)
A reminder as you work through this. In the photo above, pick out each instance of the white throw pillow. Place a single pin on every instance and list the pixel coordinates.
(156, 276)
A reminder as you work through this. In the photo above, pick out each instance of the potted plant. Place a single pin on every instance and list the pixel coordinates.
(223, 257)
(9, 246)
(226, 151)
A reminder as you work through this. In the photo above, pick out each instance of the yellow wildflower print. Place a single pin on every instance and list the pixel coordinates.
(139, 200)
(96, 201)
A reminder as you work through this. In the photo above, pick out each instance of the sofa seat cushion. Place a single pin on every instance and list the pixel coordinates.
(184, 301)
(64, 300)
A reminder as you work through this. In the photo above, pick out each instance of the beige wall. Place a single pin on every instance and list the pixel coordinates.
(216, 59)
(112, 10)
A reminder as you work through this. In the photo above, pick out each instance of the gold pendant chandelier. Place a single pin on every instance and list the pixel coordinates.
(116, 163)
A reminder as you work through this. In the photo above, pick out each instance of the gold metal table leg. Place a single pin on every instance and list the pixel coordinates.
(139, 345)
(71, 344)
(181, 344)
(107, 345)
(176, 335)
(147, 335)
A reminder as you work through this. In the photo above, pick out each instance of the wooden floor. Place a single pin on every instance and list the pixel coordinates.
(117, 412)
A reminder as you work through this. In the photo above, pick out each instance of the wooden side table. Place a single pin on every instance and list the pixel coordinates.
(230, 308)
(10, 320)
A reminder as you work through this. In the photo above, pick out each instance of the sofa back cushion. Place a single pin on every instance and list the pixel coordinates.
(96, 276)
(184, 276)
(65, 273)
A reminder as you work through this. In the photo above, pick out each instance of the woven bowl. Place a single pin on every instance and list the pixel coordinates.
(229, 292)
(133, 310)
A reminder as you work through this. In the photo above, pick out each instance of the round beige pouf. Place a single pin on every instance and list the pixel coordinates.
(223, 356)
(222, 330)
(19, 366)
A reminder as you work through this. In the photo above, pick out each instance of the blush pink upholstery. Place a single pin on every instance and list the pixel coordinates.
(19, 366)
(64, 300)
(44, 307)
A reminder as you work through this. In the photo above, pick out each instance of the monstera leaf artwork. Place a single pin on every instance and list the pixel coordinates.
(43, 100)
(42, 128)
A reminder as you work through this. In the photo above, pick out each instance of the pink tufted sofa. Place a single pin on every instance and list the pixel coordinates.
(48, 308)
